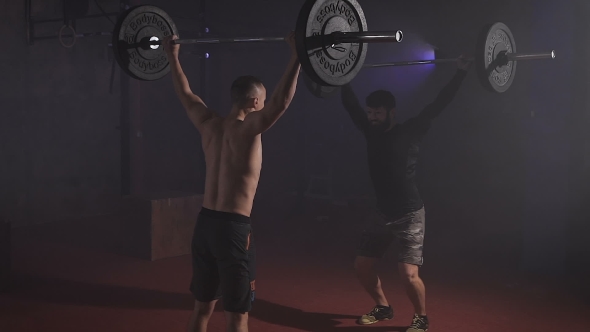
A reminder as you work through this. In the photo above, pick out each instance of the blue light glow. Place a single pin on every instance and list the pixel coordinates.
(401, 80)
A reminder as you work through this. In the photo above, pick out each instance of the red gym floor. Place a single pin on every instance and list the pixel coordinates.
(68, 278)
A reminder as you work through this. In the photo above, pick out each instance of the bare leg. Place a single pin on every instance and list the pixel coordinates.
(200, 316)
(236, 321)
(414, 287)
(366, 274)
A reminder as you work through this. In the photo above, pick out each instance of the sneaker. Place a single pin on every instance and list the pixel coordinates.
(378, 313)
(419, 324)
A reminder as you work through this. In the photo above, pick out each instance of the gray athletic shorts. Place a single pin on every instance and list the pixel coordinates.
(380, 231)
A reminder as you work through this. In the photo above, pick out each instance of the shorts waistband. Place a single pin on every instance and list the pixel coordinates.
(227, 216)
(394, 215)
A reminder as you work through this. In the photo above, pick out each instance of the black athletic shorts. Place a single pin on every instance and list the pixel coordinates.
(223, 260)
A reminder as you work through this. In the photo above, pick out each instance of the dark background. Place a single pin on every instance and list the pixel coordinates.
(497, 171)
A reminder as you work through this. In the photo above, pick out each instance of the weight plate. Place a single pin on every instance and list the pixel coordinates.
(318, 90)
(494, 40)
(330, 65)
(133, 30)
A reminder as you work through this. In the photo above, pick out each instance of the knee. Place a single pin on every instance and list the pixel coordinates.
(409, 273)
(363, 264)
(205, 308)
(410, 277)
(236, 318)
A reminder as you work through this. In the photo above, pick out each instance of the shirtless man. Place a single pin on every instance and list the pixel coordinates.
(233, 154)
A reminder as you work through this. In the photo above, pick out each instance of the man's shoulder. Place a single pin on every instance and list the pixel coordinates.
(415, 120)
(415, 123)
(213, 124)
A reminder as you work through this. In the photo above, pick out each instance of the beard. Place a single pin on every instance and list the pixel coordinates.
(381, 126)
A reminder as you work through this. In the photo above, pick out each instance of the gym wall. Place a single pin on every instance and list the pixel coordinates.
(59, 142)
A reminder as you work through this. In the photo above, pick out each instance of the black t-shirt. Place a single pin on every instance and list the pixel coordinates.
(393, 154)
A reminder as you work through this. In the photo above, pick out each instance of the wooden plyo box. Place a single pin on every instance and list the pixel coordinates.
(5, 230)
(160, 225)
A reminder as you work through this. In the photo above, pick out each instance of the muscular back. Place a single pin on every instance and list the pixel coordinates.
(232, 145)
(234, 160)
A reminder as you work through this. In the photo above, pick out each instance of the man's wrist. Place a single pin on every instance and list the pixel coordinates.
(172, 59)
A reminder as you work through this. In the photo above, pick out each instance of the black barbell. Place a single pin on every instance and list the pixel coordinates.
(331, 41)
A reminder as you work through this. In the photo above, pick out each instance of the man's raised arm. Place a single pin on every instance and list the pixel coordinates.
(258, 122)
(447, 94)
(195, 108)
(353, 107)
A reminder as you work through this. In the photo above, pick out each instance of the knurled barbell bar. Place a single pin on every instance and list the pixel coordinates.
(334, 31)
(495, 61)
(330, 40)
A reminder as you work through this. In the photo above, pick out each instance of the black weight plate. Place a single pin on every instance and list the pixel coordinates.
(493, 40)
(318, 90)
(330, 65)
(133, 29)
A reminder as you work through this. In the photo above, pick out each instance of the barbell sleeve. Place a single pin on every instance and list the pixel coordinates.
(530, 56)
(369, 37)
